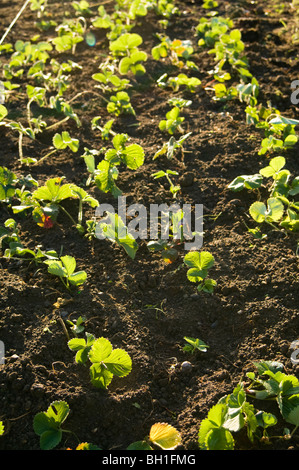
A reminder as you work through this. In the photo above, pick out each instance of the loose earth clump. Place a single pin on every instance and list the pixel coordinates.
(144, 305)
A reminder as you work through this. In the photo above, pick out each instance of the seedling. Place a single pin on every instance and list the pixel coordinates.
(120, 104)
(106, 129)
(194, 344)
(116, 231)
(65, 270)
(199, 265)
(54, 192)
(230, 415)
(170, 147)
(47, 424)
(77, 326)
(109, 81)
(131, 58)
(174, 120)
(191, 84)
(162, 436)
(70, 33)
(106, 362)
(131, 155)
(167, 250)
(281, 192)
(8, 181)
(272, 384)
(178, 51)
(174, 189)
(280, 134)
(270, 213)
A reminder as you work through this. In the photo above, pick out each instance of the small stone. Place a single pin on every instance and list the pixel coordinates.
(186, 366)
(14, 358)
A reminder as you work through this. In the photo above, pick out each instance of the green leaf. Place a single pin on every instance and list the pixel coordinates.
(82, 347)
(78, 278)
(139, 445)
(272, 213)
(290, 140)
(100, 350)
(100, 377)
(195, 343)
(212, 435)
(246, 181)
(3, 112)
(53, 191)
(64, 140)
(119, 363)
(133, 156)
(69, 263)
(47, 424)
(117, 231)
(56, 268)
(219, 439)
(199, 263)
(107, 362)
(275, 165)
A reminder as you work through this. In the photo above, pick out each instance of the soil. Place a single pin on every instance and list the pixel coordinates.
(146, 306)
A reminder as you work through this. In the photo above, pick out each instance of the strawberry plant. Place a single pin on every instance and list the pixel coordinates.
(132, 155)
(191, 84)
(280, 207)
(271, 383)
(232, 413)
(194, 344)
(116, 231)
(199, 264)
(120, 103)
(106, 362)
(48, 424)
(64, 268)
(174, 189)
(170, 148)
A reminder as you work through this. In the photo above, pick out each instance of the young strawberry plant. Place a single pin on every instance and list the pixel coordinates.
(280, 208)
(199, 264)
(174, 189)
(64, 268)
(229, 416)
(194, 344)
(190, 84)
(116, 231)
(271, 383)
(48, 424)
(132, 155)
(106, 362)
(120, 103)
(170, 148)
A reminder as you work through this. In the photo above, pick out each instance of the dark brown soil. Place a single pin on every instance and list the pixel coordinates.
(253, 312)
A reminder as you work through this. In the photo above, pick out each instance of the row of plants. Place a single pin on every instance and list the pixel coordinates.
(47, 82)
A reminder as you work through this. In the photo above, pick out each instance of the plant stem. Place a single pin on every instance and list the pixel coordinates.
(29, 114)
(69, 215)
(46, 156)
(58, 123)
(20, 143)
